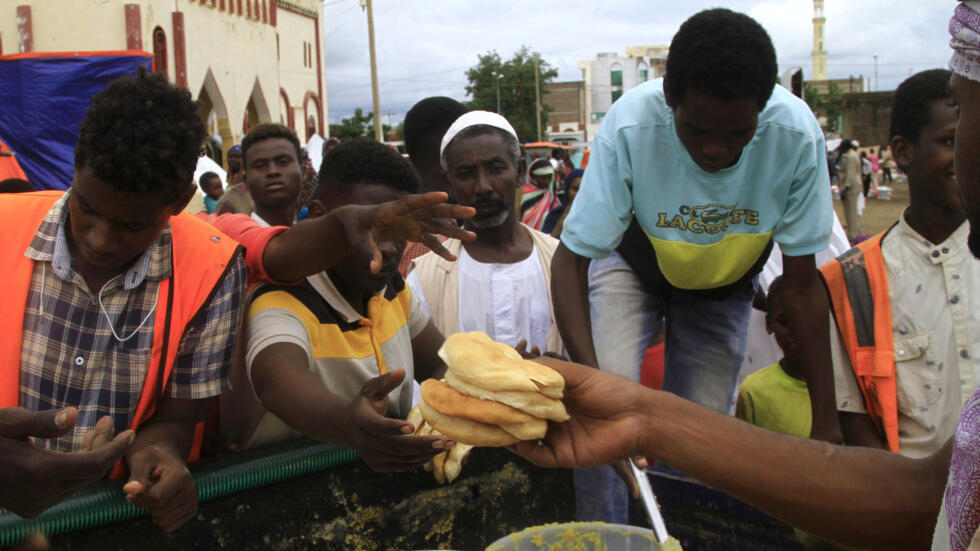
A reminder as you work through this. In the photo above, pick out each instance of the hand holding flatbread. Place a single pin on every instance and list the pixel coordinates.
(491, 396)
(446, 466)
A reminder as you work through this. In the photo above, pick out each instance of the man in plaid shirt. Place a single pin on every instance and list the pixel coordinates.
(109, 327)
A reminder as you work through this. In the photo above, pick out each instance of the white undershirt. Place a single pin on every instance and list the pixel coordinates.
(509, 302)
(260, 220)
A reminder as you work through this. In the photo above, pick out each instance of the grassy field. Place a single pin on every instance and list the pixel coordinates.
(879, 215)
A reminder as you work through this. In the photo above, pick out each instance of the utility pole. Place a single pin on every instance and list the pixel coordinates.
(537, 95)
(497, 78)
(378, 134)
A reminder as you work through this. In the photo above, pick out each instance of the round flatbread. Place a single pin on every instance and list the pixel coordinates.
(447, 401)
(529, 430)
(533, 403)
(465, 430)
(481, 361)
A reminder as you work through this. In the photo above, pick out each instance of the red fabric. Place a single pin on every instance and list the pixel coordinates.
(652, 369)
(254, 237)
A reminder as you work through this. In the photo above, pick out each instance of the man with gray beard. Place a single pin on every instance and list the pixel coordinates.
(501, 284)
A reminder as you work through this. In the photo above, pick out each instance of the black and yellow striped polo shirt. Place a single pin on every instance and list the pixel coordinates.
(344, 349)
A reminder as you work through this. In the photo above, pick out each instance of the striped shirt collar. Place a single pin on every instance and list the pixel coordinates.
(50, 244)
(324, 286)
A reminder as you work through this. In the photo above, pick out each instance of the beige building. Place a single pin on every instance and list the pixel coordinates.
(246, 61)
(609, 75)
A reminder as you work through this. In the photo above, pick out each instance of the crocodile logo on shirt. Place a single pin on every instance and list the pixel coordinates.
(711, 218)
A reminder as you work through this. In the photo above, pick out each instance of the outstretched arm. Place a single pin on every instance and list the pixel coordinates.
(284, 255)
(570, 289)
(314, 245)
(286, 386)
(857, 496)
(807, 312)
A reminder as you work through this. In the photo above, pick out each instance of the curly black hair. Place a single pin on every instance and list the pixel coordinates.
(142, 135)
(723, 54)
(912, 102)
(426, 122)
(264, 132)
(364, 161)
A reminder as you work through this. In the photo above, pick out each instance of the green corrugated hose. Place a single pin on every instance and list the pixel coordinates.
(105, 503)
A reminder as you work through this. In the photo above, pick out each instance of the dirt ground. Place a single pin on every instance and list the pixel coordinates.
(879, 215)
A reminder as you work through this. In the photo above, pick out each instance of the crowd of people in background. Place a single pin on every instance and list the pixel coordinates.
(305, 301)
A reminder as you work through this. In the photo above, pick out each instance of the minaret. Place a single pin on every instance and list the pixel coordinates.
(819, 55)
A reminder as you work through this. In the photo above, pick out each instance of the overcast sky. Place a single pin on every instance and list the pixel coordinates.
(425, 46)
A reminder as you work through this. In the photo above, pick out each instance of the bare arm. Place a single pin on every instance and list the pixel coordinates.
(858, 496)
(570, 292)
(858, 430)
(287, 388)
(319, 243)
(159, 480)
(807, 311)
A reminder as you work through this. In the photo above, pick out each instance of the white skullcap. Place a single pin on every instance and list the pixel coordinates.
(475, 118)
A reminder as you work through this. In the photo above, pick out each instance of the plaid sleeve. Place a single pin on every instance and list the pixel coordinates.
(204, 355)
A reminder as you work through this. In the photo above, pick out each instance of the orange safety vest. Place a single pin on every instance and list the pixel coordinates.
(201, 255)
(858, 287)
(9, 167)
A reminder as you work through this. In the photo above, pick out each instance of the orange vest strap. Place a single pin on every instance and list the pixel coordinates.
(857, 282)
(29, 209)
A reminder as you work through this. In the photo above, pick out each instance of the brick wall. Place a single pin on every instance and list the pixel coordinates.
(866, 117)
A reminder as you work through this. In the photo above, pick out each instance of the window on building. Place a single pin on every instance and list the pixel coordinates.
(616, 77)
(821, 45)
(159, 51)
(644, 75)
(616, 94)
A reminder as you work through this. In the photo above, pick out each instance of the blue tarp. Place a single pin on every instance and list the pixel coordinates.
(43, 99)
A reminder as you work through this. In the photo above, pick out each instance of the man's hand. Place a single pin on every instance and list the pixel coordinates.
(605, 425)
(160, 483)
(412, 218)
(32, 478)
(387, 444)
(521, 349)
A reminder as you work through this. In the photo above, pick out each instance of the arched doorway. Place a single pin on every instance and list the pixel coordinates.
(213, 111)
(286, 110)
(311, 112)
(257, 109)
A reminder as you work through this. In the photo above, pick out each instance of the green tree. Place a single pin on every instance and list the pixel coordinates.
(516, 82)
(356, 126)
(385, 129)
(827, 105)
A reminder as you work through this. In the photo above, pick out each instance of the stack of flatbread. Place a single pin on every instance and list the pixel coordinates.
(491, 396)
